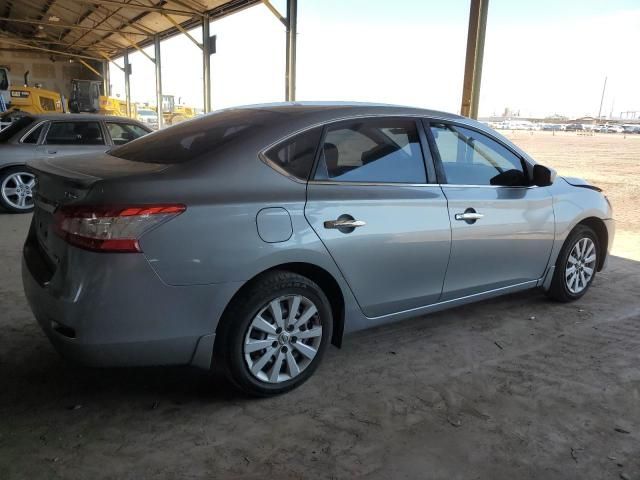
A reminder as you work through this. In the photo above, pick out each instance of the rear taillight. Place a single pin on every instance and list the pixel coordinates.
(111, 229)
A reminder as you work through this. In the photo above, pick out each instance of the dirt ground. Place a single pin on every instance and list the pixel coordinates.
(517, 387)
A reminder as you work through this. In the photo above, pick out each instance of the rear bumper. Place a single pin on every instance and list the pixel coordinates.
(113, 310)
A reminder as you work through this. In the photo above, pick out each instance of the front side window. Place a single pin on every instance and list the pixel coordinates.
(296, 154)
(122, 133)
(471, 158)
(74, 133)
(385, 150)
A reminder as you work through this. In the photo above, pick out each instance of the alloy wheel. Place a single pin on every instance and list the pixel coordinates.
(283, 339)
(18, 190)
(581, 265)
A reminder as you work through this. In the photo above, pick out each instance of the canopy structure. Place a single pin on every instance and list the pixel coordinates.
(95, 32)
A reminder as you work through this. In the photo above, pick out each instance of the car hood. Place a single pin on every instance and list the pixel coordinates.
(580, 182)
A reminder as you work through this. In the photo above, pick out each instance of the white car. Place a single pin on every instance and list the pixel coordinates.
(148, 117)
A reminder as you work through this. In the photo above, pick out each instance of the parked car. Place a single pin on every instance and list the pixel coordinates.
(253, 237)
(574, 127)
(611, 129)
(633, 128)
(148, 117)
(30, 137)
(551, 127)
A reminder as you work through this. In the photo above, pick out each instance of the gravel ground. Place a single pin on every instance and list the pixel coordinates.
(517, 387)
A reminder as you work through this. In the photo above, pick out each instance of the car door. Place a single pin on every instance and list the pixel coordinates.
(384, 224)
(71, 137)
(502, 227)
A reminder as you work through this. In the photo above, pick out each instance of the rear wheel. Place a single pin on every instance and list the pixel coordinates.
(274, 335)
(576, 266)
(17, 189)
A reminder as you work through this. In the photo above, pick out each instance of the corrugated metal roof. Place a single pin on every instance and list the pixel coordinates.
(93, 29)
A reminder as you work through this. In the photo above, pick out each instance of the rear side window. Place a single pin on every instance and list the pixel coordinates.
(383, 150)
(16, 126)
(296, 154)
(122, 133)
(74, 133)
(34, 135)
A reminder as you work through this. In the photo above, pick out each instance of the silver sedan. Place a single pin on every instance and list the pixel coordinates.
(28, 137)
(252, 238)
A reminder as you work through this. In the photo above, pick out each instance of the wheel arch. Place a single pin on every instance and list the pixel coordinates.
(598, 226)
(322, 278)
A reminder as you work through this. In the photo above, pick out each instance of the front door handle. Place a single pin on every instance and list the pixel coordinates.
(469, 216)
(52, 152)
(344, 223)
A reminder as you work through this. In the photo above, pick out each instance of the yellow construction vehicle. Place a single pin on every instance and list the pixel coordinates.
(35, 99)
(173, 113)
(87, 96)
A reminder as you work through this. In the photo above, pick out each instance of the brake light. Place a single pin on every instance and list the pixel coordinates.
(111, 229)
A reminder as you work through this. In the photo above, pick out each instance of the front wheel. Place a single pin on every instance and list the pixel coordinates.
(576, 266)
(274, 335)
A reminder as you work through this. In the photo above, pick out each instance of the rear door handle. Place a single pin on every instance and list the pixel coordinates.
(52, 152)
(344, 223)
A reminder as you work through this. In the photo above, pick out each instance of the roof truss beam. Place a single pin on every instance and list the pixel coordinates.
(148, 8)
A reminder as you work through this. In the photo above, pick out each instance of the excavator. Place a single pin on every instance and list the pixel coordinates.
(87, 96)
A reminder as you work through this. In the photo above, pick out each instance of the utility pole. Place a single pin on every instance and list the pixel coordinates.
(604, 87)
(474, 58)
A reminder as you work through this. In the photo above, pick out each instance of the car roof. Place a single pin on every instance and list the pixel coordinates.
(78, 116)
(314, 107)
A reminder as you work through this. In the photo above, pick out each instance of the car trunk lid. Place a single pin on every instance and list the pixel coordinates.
(68, 181)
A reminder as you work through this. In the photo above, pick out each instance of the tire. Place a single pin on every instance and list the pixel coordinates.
(565, 286)
(17, 189)
(269, 358)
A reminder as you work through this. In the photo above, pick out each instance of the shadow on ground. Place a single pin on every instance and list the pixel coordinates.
(516, 387)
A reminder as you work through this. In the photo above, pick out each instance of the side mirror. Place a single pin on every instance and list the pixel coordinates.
(543, 176)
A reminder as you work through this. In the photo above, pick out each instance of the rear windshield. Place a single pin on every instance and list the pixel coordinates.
(186, 141)
(16, 126)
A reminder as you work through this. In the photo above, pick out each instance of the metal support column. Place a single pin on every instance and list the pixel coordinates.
(106, 79)
(292, 29)
(127, 82)
(474, 58)
(206, 64)
(158, 64)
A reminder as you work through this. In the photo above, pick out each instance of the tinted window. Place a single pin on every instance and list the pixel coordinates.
(34, 135)
(372, 150)
(295, 155)
(4, 80)
(471, 158)
(16, 126)
(74, 133)
(122, 133)
(191, 139)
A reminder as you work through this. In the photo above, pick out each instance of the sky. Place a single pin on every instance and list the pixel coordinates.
(542, 57)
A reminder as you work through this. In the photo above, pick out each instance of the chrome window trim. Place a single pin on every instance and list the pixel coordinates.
(38, 125)
(461, 121)
(263, 157)
(454, 185)
(372, 184)
(399, 184)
